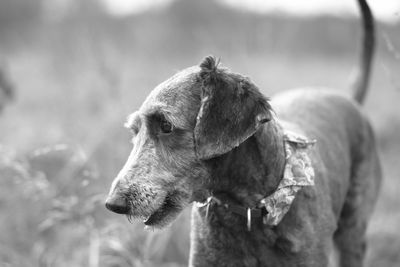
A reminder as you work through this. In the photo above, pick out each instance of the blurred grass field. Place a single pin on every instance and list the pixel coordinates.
(79, 76)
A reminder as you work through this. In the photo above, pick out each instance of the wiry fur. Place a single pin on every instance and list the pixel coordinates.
(225, 142)
(164, 174)
(240, 106)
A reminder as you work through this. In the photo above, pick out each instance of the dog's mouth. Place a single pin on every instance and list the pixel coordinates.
(172, 205)
(158, 216)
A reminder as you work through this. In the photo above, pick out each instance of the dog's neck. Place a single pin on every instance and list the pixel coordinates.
(244, 176)
(253, 170)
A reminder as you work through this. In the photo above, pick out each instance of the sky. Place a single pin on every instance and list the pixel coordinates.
(386, 10)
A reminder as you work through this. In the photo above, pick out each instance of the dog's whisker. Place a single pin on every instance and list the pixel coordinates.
(129, 217)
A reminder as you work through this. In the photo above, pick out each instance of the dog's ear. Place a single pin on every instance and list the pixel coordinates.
(232, 109)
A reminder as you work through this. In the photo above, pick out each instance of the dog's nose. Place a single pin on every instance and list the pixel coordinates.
(117, 204)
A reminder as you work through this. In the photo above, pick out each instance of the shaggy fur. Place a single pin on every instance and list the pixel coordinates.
(222, 139)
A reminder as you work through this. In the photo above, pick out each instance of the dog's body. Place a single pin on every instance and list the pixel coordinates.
(339, 205)
(209, 132)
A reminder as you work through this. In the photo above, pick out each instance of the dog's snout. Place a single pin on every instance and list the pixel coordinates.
(117, 204)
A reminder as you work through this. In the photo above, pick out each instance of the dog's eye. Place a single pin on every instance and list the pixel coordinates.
(165, 126)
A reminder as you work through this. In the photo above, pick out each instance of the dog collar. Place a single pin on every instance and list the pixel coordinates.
(298, 172)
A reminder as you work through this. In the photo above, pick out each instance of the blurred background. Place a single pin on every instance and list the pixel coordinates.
(71, 71)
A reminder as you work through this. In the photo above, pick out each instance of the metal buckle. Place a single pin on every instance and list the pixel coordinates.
(249, 219)
(209, 200)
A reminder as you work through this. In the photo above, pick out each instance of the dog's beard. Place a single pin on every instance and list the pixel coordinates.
(165, 213)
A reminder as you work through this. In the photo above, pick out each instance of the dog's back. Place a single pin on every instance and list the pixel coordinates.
(345, 156)
(337, 122)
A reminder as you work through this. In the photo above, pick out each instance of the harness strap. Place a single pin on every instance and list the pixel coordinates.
(246, 212)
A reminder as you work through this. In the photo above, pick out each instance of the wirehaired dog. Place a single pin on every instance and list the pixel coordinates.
(273, 188)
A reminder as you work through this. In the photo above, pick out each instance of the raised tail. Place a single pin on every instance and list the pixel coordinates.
(367, 52)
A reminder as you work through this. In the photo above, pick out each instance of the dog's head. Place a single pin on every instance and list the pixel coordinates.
(198, 114)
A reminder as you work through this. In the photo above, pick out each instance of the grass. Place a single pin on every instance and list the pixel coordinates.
(63, 142)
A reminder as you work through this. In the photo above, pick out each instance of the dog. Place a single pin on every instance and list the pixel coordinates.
(281, 182)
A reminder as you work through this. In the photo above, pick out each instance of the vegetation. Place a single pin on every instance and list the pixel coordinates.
(79, 73)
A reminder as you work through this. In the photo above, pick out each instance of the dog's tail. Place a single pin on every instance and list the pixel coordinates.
(367, 52)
